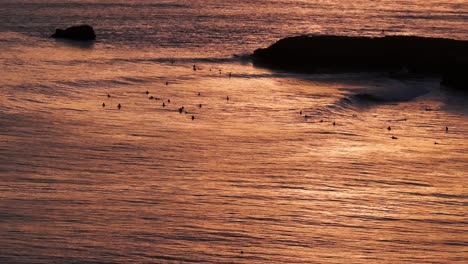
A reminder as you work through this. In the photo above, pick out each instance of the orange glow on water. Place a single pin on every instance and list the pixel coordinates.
(249, 180)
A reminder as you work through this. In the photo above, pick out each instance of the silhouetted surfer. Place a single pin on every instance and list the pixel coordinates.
(119, 106)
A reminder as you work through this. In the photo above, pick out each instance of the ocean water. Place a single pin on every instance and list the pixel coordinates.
(249, 179)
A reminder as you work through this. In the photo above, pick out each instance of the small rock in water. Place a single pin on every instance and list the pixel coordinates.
(389, 128)
(108, 96)
(81, 32)
(193, 117)
(119, 106)
(393, 137)
(147, 92)
(103, 105)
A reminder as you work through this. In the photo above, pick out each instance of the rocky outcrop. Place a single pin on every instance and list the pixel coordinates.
(456, 77)
(312, 53)
(82, 32)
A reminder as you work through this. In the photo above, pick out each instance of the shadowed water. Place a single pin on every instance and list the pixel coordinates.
(249, 180)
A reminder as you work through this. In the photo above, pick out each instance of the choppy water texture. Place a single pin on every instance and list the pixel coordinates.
(249, 180)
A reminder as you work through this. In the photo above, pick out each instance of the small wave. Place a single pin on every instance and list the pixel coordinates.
(447, 17)
(222, 60)
(368, 97)
(392, 92)
(362, 98)
(62, 5)
(107, 82)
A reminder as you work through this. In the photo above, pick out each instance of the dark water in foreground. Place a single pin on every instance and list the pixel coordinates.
(80, 183)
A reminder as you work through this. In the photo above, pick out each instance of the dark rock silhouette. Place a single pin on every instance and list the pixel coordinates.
(81, 32)
(456, 77)
(325, 53)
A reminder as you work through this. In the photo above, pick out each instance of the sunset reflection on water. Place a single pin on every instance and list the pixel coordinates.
(249, 180)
